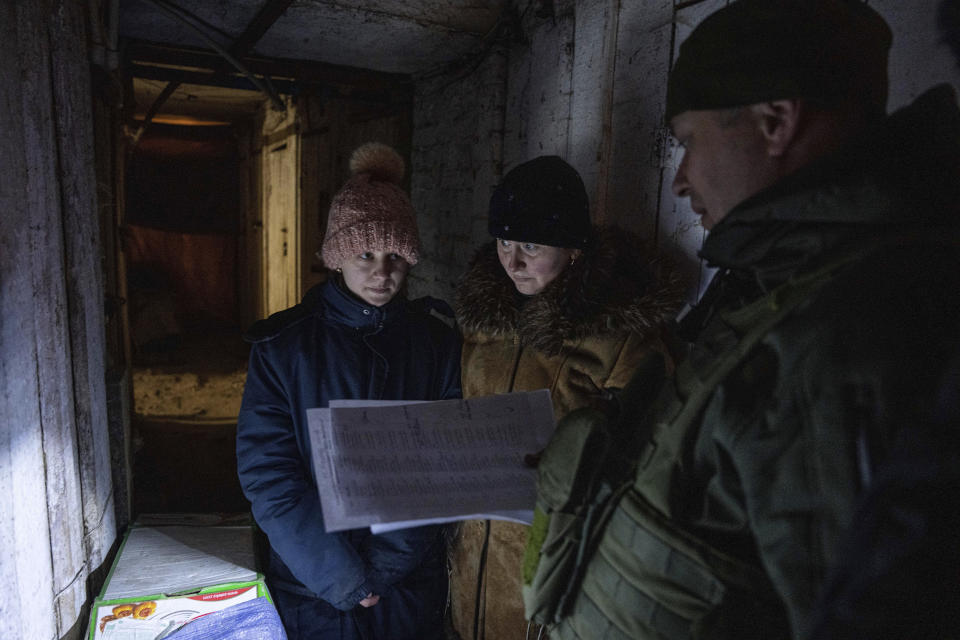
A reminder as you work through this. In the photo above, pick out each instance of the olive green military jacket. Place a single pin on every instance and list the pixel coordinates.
(746, 480)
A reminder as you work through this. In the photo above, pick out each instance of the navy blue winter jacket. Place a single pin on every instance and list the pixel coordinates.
(332, 346)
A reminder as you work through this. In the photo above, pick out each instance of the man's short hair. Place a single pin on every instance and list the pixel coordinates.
(759, 50)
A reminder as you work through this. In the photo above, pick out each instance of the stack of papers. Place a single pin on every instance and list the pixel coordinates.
(175, 559)
(174, 571)
(388, 465)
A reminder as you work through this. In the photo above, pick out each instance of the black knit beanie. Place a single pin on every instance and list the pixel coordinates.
(541, 201)
(753, 51)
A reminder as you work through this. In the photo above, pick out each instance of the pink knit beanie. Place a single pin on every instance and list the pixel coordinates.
(371, 212)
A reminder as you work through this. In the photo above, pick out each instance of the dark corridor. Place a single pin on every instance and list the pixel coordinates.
(183, 246)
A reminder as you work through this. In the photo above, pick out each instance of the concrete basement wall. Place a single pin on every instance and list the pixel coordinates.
(456, 159)
(589, 84)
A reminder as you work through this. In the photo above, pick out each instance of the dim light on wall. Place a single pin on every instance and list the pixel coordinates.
(187, 121)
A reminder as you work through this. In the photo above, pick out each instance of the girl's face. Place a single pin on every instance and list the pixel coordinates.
(375, 276)
(533, 266)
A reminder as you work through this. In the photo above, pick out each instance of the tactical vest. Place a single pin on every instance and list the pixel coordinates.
(608, 560)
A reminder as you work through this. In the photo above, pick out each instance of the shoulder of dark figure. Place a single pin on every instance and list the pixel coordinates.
(278, 322)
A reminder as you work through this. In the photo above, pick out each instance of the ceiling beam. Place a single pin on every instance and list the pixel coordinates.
(269, 13)
(265, 18)
(204, 78)
(230, 57)
(145, 53)
(389, 96)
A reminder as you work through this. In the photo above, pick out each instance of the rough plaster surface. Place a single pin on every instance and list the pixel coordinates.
(400, 36)
(455, 160)
(539, 92)
(919, 58)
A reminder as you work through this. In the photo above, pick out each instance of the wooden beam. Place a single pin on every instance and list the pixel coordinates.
(269, 13)
(301, 70)
(205, 78)
(397, 95)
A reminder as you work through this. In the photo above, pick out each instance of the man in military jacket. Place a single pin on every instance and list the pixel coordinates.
(823, 339)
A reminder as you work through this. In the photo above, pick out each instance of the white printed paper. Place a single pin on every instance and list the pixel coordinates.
(383, 465)
(173, 559)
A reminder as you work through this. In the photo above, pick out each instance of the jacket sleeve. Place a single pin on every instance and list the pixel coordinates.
(393, 555)
(784, 468)
(635, 350)
(278, 483)
(799, 426)
(902, 547)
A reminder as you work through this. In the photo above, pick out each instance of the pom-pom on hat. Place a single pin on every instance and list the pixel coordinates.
(541, 201)
(371, 212)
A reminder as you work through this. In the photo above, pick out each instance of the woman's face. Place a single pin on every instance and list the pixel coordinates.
(532, 266)
(375, 276)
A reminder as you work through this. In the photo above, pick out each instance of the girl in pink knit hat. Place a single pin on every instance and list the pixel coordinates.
(355, 336)
(371, 238)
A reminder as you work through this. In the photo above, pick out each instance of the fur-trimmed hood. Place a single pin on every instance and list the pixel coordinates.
(618, 284)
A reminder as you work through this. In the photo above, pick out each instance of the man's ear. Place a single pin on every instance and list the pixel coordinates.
(779, 122)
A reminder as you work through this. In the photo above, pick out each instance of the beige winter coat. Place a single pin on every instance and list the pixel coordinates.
(582, 337)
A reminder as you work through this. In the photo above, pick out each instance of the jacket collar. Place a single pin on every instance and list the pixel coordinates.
(900, 176)
(616, 285)
(339, 306)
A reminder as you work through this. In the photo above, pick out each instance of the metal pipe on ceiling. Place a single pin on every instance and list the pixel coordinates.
(265, 88)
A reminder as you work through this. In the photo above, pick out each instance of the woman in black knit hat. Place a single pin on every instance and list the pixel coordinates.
(553, 302)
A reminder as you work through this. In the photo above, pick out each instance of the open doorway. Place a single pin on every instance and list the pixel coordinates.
(183, 241)
(187, 269)
(225, 202)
